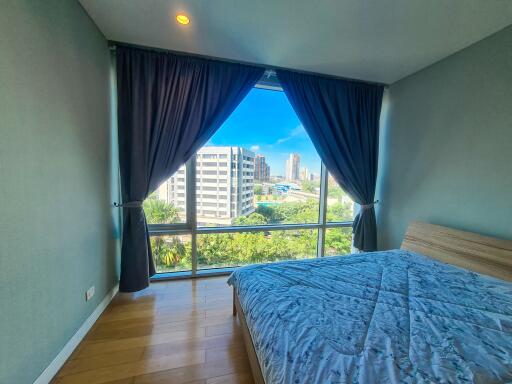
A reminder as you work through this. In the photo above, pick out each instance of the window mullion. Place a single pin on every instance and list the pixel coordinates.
(322, 216)
(191, 209)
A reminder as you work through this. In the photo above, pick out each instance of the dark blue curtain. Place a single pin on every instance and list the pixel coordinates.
(342, 119)
(168, 107)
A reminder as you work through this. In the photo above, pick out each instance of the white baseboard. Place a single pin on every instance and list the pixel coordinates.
(70, 346)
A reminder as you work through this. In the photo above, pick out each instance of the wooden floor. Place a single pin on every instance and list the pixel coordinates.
(179, 331)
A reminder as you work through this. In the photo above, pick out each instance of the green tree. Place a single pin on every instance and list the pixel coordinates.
(270, 213)
(258, 189)
(299, 212)
(335, 190)
(160, 212)
(252, 219)
(231, 249)
(308, 186)
(216, 250)
(340, 212)
(171, 253)
(338, 241)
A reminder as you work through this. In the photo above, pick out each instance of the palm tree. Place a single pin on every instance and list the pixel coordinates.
(160, 212)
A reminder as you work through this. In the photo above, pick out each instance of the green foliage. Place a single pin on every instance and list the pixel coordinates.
(299, 212)
(271, 214)
(253, 219)
(160, 212)
(308, 186)
(335, 191)
(291, 213)
(338, 241)
(258, 189)
(340, 212)
(170, 253)
(232, 249)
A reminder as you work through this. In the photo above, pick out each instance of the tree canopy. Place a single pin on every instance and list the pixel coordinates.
(160, 212)
(174, 252)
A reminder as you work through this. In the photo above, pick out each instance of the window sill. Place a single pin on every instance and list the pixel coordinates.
(189, 275)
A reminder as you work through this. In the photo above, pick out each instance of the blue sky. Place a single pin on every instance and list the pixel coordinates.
(266, 123)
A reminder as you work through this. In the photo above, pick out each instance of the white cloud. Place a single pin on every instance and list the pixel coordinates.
(255, 148)
(297, 131)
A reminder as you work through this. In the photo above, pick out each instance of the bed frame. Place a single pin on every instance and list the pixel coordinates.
(486, 255)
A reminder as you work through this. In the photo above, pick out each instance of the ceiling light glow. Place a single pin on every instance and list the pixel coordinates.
(182, 19)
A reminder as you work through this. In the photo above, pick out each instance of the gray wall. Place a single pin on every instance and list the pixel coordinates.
(58, 235)
(446, 145)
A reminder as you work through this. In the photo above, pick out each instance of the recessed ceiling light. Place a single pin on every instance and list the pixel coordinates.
(182, 19)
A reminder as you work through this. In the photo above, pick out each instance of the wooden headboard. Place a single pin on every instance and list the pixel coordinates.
(487, 255)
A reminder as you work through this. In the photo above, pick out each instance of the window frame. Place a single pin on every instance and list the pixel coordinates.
(191, 228)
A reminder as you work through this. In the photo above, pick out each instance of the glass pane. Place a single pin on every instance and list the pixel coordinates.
(260, 167)
(340, 206)
(235, 249)
(172, 252)
(338, 241)
(167, 205)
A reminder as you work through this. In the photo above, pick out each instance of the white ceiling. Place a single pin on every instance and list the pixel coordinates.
(373, 40)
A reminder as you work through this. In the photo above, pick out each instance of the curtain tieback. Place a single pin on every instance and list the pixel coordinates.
(129, 204)
(368, 206)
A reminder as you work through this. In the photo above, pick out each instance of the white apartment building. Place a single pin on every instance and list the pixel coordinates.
(224, 185)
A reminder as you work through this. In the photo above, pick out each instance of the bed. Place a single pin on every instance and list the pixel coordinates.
(437, 310)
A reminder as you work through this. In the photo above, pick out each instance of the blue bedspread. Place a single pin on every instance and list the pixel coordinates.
(384, 317)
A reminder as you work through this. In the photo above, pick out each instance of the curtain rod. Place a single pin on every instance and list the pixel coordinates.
(113, 44)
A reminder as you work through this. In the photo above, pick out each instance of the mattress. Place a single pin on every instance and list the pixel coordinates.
(381, 317)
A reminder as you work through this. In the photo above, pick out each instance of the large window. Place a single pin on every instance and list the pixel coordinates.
(257, 192)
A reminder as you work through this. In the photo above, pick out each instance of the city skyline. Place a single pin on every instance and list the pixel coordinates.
(293, 169)
(266, 124)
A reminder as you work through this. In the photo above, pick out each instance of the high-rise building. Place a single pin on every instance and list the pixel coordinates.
(304, 174)
(261, 169)
(292, 167)
(224, 185)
